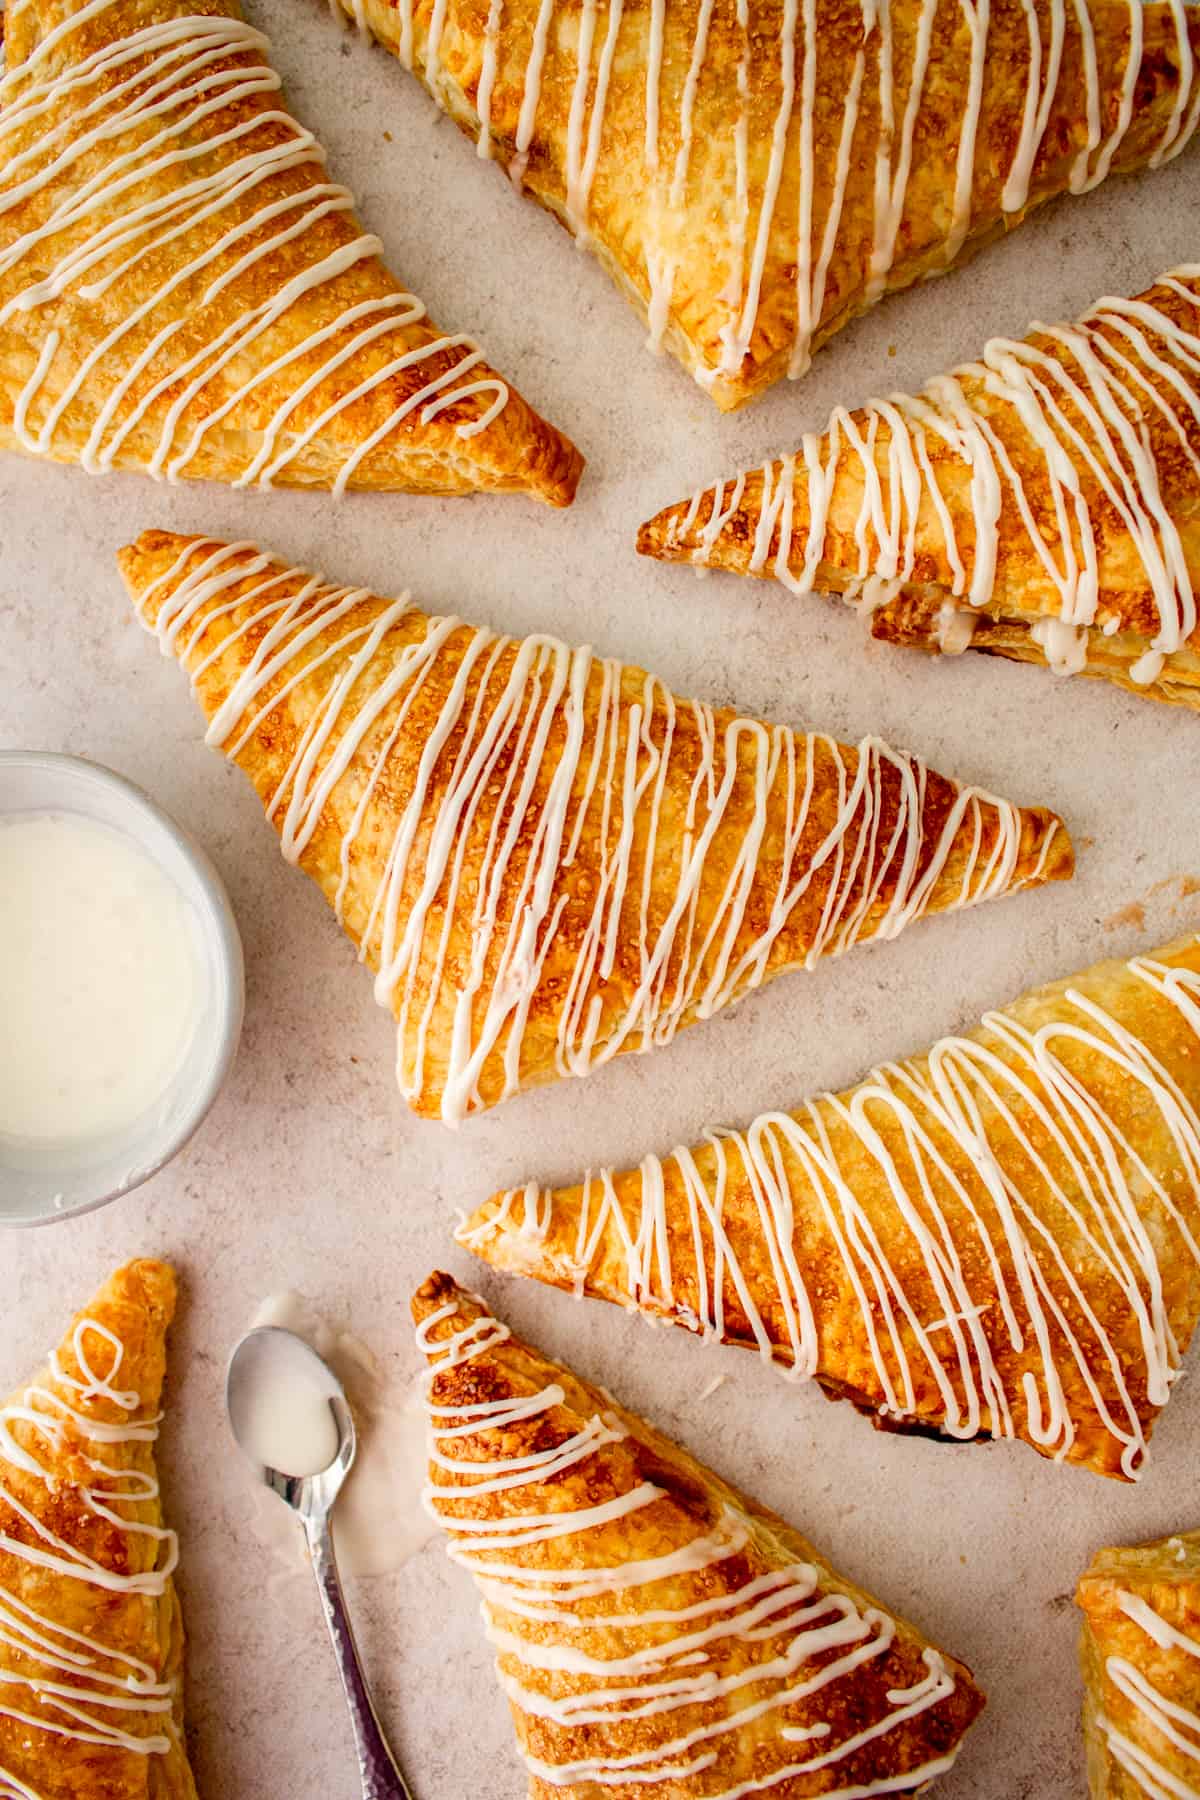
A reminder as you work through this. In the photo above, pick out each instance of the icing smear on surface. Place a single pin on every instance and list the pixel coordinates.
(56, 1680)
(155, 106)
(819, 1638)
(378, 1522)
(990, 1257)
(542, 712)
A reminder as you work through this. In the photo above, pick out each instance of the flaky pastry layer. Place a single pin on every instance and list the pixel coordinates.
(91, 1635)
(659, 1635)
(754, 173)
(547, 858)
(1140, 1652)
(998, 1239)
(1041, 504)
(185, 291)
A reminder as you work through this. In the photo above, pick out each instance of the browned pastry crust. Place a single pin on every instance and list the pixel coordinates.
(558, 878)
(749, 1733)
(1131, 504)
(682, 152)
(59, 1516)
(1141, 1708)
(914, 623)
(199, 216)
(996, 1239)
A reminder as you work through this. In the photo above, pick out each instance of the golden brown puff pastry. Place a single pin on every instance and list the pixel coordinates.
(1140, 1651)
(91, 1636)
(1000, 1239)
(546, 857)
(754, 173)
(1043, 503)
(186, 291)
(659, 1635)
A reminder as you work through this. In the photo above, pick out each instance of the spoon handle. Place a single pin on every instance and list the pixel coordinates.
(381, 1779)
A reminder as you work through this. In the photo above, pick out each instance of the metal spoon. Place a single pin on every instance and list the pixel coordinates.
(312, 1498)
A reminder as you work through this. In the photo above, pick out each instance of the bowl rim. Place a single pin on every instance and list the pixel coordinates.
(230, 955)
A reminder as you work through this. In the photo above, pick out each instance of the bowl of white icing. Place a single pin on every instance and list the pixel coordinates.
(121, 986)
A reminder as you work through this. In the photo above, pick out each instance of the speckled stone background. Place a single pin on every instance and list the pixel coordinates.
(310, 1174)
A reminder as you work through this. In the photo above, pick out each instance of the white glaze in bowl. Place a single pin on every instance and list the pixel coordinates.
(43, 1181)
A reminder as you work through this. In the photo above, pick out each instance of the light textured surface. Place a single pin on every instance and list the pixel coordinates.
(310, 1174)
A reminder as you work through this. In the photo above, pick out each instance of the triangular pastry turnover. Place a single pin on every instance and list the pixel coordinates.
(998, 1239)
(186, 291)
(1140, 1650)
(91, 1637)
(753, 173)
(1042, 503)
(546, 857)
(659, 1636)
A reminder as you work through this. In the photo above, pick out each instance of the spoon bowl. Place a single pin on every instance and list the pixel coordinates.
(312, 1495)
(252, 1396)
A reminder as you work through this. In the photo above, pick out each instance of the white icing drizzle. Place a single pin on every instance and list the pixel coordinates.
(977, 16)
(955, 629)
(76, 1686)
(606, 774)
(1064, 644)
(678, 1664)
(1179, 1725)
(881, 108)
(893, 164)
(154, 106)
(1085, 395)
(583, 125)
(487, 77)
(737, 336)
(1009, 1269)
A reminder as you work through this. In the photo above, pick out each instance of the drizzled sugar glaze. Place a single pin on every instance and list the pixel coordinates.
(1102, 404)
(75, 1686)
(1158, 1713)
(660, 1660)
(529, 746)
(783, 188)
(132, 193)
(999, 1228)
